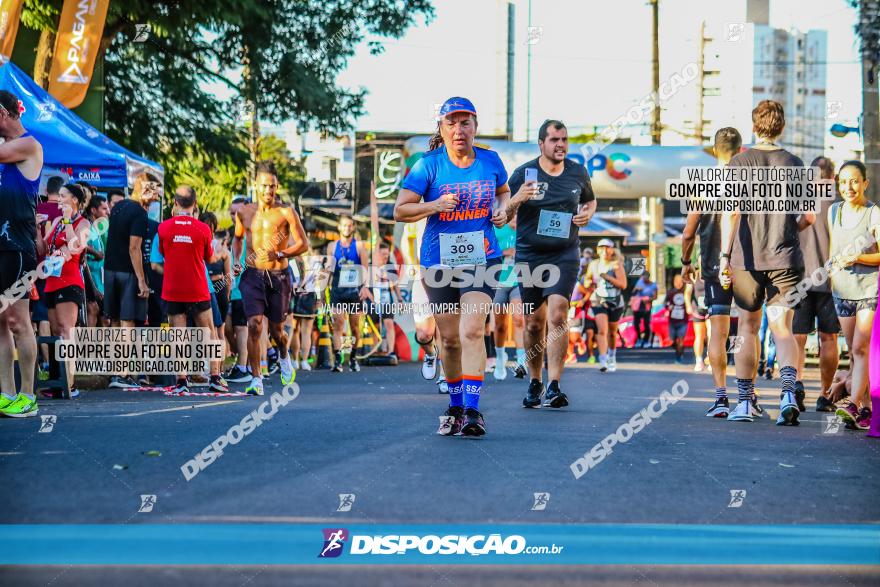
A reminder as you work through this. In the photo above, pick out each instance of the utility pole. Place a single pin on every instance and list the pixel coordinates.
(655, 203)
(655, 85)
(701, 63)
(529, 78)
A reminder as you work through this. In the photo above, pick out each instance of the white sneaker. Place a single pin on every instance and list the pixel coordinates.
(698, 368)
(304, 366)
(295, 364)
(603, 363)
(500, 372)
(429, 366)
(742, 412)
(788, 411)
(612, 363)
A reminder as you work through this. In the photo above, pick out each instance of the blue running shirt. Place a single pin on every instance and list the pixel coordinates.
(434, 176)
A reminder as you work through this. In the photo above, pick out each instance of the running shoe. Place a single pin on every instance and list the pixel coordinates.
(788, 411)
(119, 382)
(520, 371)
(720, 409)
(699, 367)
(863, 422)
(305, 366)
(823, 404)
(288, 372)
(442, 386)
(741, 413)
(757, 410)
(429, 366)
(218, 384)
(337, 368)
(849, 413)
(237, 375)
(490, 365)
(21, 407)
(181, 386)
(534, 395)
(5, 401)
(473, 423)
(451, 421)
(768, 374)
(354, 365)
(274, 367)
(264, 371)
(295, 363)
(255, 387)
(555, 399)
(500, 372)
(337, 363)
(800, 395)
(612, 363)
(591, 360)
(679, 361)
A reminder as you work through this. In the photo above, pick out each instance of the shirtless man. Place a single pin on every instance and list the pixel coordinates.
(21, 162)
(268, 228)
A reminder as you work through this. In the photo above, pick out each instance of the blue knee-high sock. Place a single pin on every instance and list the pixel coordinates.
(456, 398)
(472, 385)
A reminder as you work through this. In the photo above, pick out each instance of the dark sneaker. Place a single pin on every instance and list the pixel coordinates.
(800, 395)
(337, 363)
(520, 371)
(354, 365)
(118, 382)
(823, 404)
(218, 385)
(756, 407)
(863, 422)
(274, 367)
(768, 374)
(533, 396)
(720, 409)
(451, 421)
(181, 386)
(555, 399)
(237, 375)
(473, 423)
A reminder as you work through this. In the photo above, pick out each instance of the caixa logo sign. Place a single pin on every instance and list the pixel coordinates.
(91, 174)
(614, 164)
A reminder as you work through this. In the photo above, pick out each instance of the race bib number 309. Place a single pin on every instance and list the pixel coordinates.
(465, 248)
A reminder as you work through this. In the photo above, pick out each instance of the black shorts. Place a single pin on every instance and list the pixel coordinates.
(14, 266)
(718, 299)
(222, 294)
(304, 305)
(816, 307)
(121, 301)
(451, 293)
(39, 311)
(590, 324)
(265, 293)
(236, 312)
(347, 301)
(191, 309)
(73, 294)
(534, 295)
(752, 288)
(613, 309)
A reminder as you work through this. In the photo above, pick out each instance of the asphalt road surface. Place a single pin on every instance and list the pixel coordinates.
(371, 434)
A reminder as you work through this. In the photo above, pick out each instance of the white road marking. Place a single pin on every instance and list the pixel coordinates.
(178, 409)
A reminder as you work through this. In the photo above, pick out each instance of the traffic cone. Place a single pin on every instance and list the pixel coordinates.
(325, 344)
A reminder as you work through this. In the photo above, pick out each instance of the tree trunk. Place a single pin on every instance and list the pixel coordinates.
(43, 63)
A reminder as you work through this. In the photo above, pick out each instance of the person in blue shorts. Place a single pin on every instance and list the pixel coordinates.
(462, 191)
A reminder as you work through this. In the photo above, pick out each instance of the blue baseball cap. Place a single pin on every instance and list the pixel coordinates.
(456, 104)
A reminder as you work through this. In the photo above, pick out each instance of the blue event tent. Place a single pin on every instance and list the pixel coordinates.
(71, 147)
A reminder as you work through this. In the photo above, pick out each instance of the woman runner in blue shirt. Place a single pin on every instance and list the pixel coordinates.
(462, 191)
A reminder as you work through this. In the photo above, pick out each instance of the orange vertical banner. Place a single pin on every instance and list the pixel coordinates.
(10, 17)
(76, 48)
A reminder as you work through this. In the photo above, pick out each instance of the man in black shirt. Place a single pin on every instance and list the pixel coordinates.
(126, 290)
(553, 199)
(728, 142)
(761, 257)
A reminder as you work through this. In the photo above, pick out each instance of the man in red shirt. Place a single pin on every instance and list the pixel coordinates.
(185, 242)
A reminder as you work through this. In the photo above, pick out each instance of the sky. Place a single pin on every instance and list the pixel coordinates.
(590, 65)
(592, 62)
